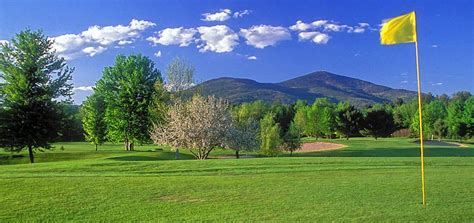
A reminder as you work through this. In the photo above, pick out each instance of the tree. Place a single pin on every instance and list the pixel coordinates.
(71, 124)
(179, 75)
(34, 82)
(468, 115)
(348, 120)
(199, 126)
(300, 119)
(379, 123)
(128, 88)
(291, 139)
(269, 135)
(93, 119)
(323, 117)
(457, 127)
(243, 136)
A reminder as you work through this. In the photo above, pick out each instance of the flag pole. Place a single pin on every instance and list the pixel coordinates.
(421, 120)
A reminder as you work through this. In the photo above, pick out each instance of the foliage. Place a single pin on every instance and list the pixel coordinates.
(128, 88)
(93, 119)
(243, 136)
(179, 75)
(269, 135)
(35, 82)
(199, 126)
(378, 123)
(348, 120)
(292, 139)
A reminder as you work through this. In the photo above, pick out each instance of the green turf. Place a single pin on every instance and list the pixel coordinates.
(367, 181)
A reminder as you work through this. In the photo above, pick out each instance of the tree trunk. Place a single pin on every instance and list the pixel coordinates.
(291, 152)
(96, 147)
(237, 154)
(125, 144)
(130, 146)
(177, 154)
(30, 152)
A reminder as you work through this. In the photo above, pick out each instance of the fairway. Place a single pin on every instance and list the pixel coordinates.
(368, 180)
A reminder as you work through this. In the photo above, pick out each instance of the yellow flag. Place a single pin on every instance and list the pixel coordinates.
(401, 29)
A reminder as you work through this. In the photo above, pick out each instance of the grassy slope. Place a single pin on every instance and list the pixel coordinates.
(366, 181)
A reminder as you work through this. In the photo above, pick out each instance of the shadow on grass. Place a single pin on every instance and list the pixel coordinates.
(391, 152)
(153, 157)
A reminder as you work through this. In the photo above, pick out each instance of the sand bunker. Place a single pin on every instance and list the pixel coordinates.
(440, 143)
(319, 146)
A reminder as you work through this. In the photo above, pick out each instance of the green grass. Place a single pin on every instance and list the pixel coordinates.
(367, 181)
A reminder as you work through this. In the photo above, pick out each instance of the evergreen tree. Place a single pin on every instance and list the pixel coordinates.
(348, 120)
(379, 123)
(34, 82)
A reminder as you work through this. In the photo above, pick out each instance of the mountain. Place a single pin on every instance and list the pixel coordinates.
(307, 87)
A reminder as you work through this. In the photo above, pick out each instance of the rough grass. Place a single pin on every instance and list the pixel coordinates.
(367, 181)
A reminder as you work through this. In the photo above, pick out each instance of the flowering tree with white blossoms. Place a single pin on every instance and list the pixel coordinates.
(198, 125)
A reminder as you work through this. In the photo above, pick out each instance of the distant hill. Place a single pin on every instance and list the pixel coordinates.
(307, 87)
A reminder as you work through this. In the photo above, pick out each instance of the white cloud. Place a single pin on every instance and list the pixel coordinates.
(252, 57)
(2, 41)
(437, 84)
(316, 37)
(301, 26)
(222, 15)
(84, 88)
(403, 82)
(174, 36)
(217, 39)
(242, 13)
(96, 39)
(262, 36)
(434, 46)
(329, 26)
(403, 74)
(92, 51)
(158, 54)
(319, 23)
(124, 42)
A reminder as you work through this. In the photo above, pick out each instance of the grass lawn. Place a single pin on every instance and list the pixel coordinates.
(367, 181)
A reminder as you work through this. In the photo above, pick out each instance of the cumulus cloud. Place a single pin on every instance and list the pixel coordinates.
(219, 39)
(316, 37)
(329, 26)
(84, 88)
(242, 13)
(252, 57)
(301, 26)
(222, 15)
(91, 51)
(96, 39)
(174, 36)
(262, 36)
(158, 54)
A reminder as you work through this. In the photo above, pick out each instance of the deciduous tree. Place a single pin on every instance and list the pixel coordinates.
(128, 88)
(93, 119)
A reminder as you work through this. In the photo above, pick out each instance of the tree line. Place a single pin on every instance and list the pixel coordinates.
(133, 104)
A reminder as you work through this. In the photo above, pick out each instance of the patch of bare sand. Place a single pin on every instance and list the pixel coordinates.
(319, 146)
(440, 143)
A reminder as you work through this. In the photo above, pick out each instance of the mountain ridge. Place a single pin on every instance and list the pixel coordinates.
(306, 87)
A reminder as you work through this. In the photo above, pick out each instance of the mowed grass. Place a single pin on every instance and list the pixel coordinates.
(367, 181)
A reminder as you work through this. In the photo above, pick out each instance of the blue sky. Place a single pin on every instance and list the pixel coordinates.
(261, 40)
